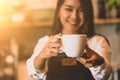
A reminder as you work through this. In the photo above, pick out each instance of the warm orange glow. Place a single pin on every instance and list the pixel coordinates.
(9, 14)
(4, 11)
(2, 5)
(18, 17)
(9, 59)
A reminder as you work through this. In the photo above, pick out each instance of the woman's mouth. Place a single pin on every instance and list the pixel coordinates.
(74, 23)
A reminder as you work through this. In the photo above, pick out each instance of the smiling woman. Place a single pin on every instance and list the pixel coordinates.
(71, 17)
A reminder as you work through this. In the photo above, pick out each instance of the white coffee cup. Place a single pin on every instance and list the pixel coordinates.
(74, 44)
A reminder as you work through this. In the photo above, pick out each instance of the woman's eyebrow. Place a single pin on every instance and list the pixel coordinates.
(70, 6)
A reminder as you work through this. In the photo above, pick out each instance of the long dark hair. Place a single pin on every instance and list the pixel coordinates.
(88, 8)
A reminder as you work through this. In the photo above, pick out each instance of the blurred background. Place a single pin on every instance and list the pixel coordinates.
(23, 22)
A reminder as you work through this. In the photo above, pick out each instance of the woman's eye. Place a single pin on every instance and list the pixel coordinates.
(81, 10)
(68, 9)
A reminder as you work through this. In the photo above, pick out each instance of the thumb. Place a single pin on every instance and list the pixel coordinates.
(81, 60)
(89, 61)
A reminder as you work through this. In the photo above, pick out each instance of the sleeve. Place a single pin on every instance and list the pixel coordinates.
(37, 74)
(101, 46)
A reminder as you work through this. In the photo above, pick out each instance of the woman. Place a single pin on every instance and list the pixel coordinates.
(71, 17)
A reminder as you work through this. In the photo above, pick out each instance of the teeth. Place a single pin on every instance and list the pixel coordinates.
(73, 23)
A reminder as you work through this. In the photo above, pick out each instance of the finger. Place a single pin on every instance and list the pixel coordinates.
(55, 50)
(52, 45)
(58, 35)
(81, 60)
(89, 61)
(88, 65)
(50, 53)
(54, 39)
(55, 45)
(54, 54)
(50, 39)
(84, 62)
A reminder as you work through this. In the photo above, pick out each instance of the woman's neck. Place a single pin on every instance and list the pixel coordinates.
(68, 32)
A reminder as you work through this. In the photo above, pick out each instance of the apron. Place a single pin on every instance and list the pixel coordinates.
(62, 67)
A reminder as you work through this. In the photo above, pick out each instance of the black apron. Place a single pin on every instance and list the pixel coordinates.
(60, 70)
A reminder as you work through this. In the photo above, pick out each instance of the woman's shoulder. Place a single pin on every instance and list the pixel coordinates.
(43, 38)
(100, 37)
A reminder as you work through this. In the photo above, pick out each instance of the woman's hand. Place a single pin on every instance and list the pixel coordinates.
(52, 47)
(90, 58)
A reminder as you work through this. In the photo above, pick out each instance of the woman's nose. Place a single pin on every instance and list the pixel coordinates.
(74, 14)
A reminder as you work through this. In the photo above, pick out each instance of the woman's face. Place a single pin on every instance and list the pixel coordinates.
(71, 15)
